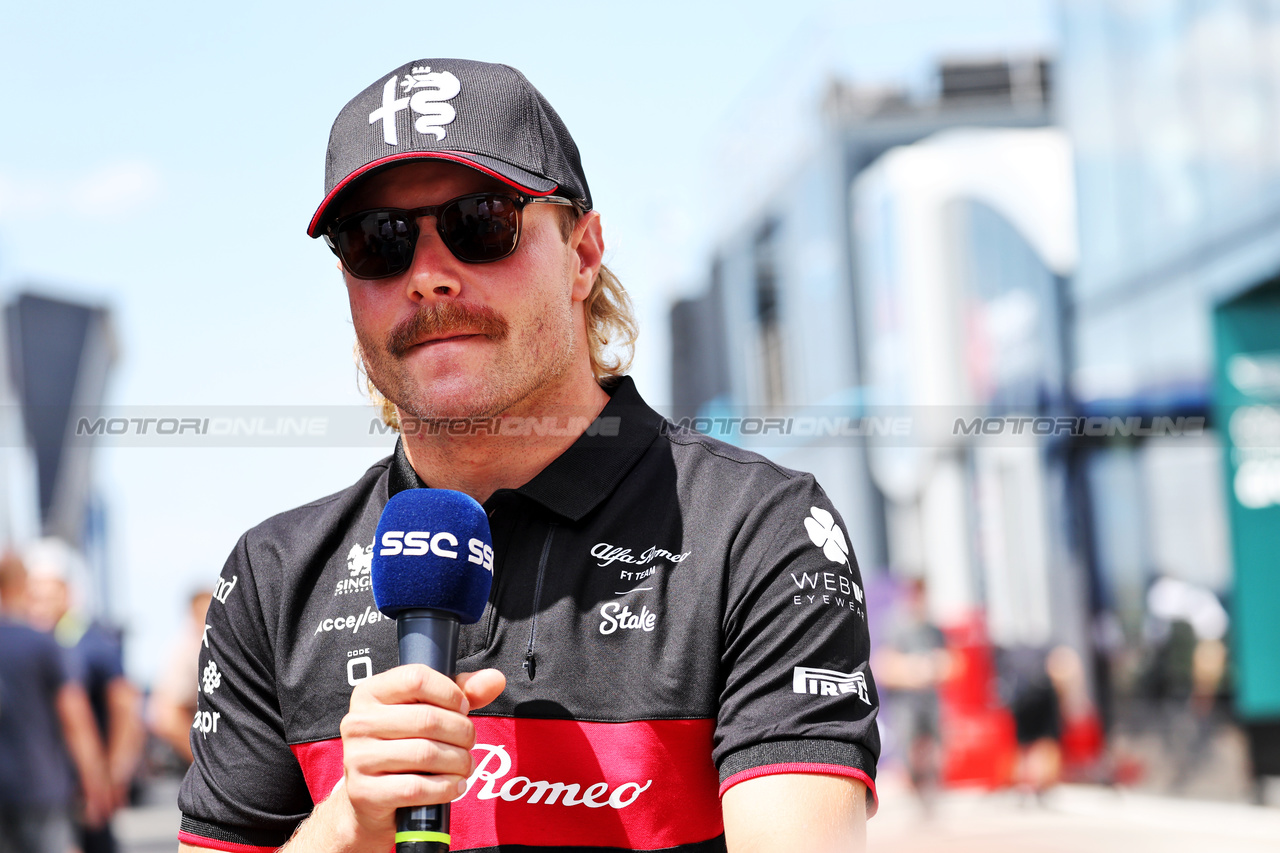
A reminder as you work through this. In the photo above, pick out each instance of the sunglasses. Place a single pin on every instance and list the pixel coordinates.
(477, 229)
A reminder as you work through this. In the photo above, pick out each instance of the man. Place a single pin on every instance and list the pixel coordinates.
(674, 651)
(47, 734)
(98, 657)
(912, 666)
(176, 692)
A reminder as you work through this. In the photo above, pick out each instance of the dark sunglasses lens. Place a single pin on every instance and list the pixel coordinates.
(481, 228)
(376, 244)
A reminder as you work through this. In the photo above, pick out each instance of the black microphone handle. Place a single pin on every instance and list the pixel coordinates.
(429, 637)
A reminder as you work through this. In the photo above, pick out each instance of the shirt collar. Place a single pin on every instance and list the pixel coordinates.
(576, 481)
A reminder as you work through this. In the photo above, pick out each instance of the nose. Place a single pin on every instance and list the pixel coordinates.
(433, 272)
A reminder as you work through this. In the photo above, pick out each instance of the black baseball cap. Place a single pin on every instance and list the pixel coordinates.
(486, 116)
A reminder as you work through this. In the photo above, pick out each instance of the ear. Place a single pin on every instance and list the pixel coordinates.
(586, 245)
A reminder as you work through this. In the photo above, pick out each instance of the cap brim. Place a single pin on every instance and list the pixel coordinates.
(512, 176)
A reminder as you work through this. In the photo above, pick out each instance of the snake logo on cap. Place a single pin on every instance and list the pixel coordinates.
(430, 91)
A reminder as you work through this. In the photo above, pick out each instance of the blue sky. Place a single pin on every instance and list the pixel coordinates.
(163, 159)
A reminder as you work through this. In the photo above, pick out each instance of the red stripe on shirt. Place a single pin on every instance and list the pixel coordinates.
(321, 763)
(646, 785)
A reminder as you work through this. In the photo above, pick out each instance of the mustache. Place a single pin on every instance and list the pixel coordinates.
(445, 318)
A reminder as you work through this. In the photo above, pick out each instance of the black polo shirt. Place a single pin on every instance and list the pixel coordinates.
(673, 615)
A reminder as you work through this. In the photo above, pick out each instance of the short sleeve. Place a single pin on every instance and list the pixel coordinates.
(57, 668)
(245, 788)
(108, 654)
(797, 695)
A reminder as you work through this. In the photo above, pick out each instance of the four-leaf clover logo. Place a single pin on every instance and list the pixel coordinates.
(827, 535)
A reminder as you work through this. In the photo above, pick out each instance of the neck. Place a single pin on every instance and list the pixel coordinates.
(507, 451)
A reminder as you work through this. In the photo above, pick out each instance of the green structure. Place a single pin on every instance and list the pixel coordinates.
(1247, 408)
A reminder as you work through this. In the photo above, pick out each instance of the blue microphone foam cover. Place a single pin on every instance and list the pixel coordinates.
(432, 550)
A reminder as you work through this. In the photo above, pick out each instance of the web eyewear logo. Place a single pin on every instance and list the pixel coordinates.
(430, 90)
(827, 535)
(829, 682)
(827, 587)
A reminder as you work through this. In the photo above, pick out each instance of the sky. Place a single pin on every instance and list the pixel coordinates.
(163, 160)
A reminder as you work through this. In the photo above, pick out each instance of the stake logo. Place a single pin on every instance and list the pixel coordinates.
(829, 682)
(431, 89)
(617, 616)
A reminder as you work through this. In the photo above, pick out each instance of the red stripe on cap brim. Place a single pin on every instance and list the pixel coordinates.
(313, 230)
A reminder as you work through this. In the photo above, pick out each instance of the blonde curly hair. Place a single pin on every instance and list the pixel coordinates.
(611, 332)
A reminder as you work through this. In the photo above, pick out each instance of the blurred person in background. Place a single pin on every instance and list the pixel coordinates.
(911, 667)
(1081, 738)
(173, 701)
(56, 574)
(1029, 694)
(1185, 629)
(47, 734)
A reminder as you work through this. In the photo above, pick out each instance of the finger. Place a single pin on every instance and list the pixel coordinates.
(399, 790)
(407, 684)
(411, 755)
(481, 687)
(393, 722)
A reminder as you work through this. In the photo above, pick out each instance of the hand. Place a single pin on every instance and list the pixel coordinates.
(99, 801)
(406, 741)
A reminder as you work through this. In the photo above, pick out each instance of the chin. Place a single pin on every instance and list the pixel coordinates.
(453, 403)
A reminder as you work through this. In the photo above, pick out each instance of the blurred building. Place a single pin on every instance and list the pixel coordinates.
(778, 326)
(1174, 109)
(1119, 273)
(913, 266)
(965, 242)
(59, 354)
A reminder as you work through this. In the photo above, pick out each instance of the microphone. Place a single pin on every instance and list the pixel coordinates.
(432, 569)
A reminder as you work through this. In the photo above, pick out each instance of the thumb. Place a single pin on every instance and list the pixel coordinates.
(481, 687)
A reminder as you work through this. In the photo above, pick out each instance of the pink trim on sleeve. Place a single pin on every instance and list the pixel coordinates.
(807, 767)
(214, 844)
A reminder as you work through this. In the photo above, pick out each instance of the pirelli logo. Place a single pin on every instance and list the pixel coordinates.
(829, 682)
